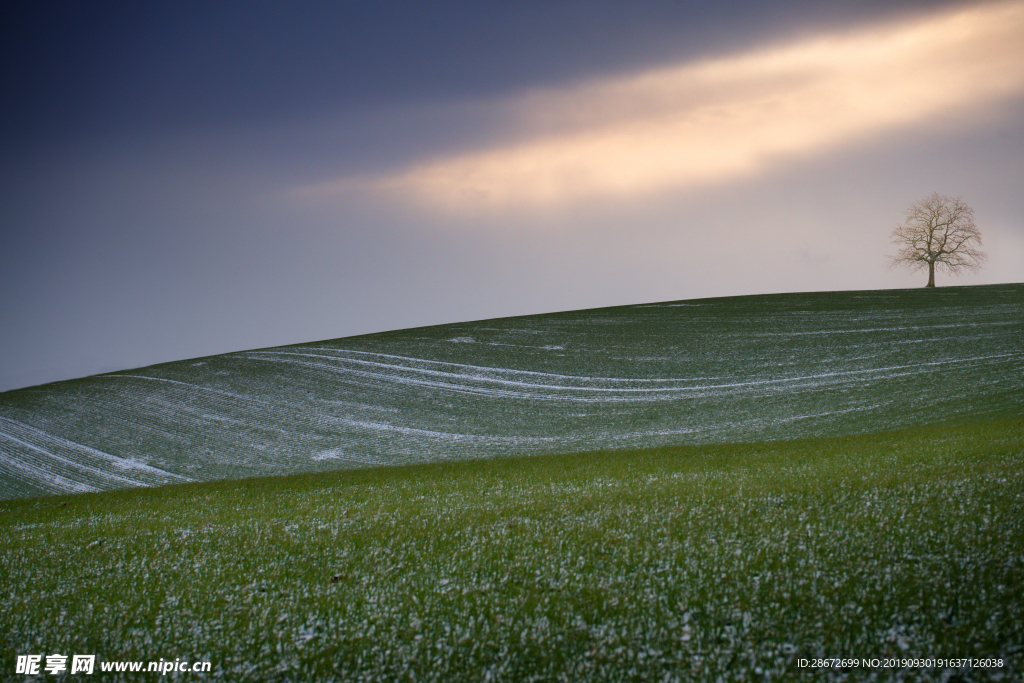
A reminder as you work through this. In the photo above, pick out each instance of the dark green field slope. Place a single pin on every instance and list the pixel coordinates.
(735, 369)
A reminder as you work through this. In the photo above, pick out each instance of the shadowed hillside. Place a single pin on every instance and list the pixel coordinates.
(702, 371)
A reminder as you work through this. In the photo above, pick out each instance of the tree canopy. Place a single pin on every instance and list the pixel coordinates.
(938, 232)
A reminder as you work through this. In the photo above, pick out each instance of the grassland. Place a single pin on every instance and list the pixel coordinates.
(708, 371)
(712, 562)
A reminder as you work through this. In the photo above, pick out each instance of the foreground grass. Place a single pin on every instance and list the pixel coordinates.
(674, 563)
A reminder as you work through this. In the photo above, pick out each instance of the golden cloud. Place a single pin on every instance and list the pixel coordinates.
(718, 119)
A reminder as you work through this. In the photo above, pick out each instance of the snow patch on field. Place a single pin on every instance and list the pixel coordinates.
(52, 463)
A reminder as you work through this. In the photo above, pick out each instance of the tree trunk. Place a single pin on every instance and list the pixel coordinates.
(931, 274)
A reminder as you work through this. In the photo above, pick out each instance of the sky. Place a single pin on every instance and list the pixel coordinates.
(186, 179)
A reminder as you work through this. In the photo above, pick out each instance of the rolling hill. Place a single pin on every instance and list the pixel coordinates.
(755, 368)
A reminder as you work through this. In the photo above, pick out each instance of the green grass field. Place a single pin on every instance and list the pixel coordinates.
(720, 562)
(712, 490)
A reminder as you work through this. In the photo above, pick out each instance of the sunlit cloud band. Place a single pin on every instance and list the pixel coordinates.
(715, 120)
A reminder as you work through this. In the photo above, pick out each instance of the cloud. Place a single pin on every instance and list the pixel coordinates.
(715, 120)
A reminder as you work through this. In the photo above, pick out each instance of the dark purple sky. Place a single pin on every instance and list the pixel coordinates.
(184, 179)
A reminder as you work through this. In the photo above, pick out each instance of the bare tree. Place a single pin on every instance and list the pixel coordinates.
(938, 230)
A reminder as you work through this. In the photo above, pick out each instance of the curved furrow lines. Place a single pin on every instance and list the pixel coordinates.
(43, 458)
(610, 394)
